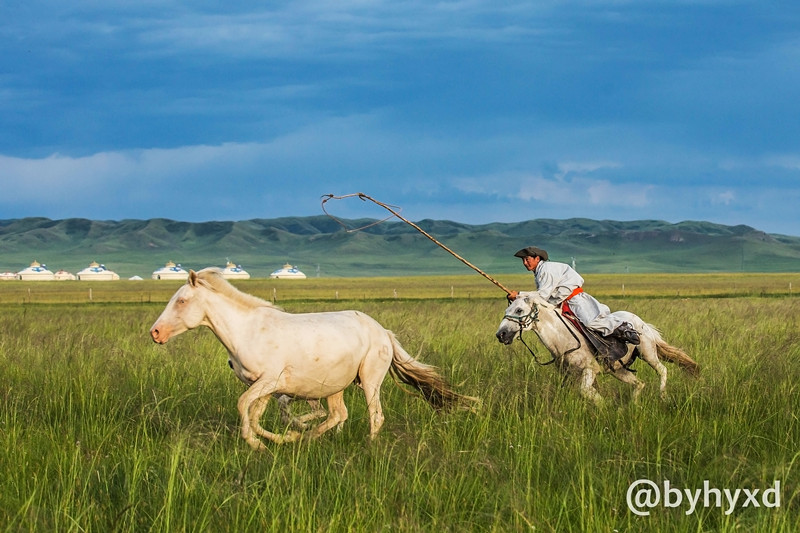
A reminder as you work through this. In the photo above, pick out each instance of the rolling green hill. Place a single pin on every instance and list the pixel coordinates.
(319, 245)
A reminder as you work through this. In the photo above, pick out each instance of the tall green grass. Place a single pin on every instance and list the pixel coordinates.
(101, 430)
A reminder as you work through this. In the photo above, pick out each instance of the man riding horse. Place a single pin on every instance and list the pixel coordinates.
(560, 285)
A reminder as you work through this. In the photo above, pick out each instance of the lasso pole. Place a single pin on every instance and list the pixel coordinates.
(363, 196)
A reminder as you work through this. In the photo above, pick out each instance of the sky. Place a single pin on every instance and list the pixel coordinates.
(473, 111)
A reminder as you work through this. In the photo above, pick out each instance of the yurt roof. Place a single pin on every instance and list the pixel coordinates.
(94, 266)
(171, 267)
(35, 267)
(233, 271)
(288, 271)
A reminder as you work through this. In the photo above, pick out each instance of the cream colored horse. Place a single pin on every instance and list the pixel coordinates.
(310, 356)
(572, 353)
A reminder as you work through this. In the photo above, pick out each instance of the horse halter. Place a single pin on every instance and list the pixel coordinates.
(524, 322)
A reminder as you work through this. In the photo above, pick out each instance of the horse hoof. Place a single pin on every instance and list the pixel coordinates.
(256, 445)
(292, 436)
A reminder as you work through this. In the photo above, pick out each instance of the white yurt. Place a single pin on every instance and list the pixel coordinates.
(97, 272)
(36, 272)
(287, 272)
(7, 276)
(232, 271)
(63, 275)
(171, 271)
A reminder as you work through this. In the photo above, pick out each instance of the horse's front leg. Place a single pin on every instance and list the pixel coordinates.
(251, 406)
(300, 423)
(257, 411)
(587, 389)
(317, 411)
(626, 376)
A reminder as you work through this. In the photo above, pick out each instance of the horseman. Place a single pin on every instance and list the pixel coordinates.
(560, 285)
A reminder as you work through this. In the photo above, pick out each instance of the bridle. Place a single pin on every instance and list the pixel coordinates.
(524, 322)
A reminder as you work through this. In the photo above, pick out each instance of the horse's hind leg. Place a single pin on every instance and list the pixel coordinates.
(337, 414)
(375, 413)
(372, 372)
(587, 386)
(648, 352)
(372, 392)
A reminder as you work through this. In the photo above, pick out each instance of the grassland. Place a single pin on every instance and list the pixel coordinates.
(471, 286)
(101, 430)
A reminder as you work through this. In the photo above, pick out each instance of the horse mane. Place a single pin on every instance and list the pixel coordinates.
(211, 277)
(534, 297)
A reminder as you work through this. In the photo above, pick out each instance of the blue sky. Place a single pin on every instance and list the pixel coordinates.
(466, 110)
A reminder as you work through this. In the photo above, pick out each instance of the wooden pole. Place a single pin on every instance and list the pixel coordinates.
(363, 196)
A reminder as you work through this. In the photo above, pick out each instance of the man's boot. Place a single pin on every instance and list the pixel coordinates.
(626, 332)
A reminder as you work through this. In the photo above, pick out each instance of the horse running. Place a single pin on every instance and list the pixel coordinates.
(573, 354)
(309, 356)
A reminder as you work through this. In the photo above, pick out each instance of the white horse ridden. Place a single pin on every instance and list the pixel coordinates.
(310, 356)
(573, 354)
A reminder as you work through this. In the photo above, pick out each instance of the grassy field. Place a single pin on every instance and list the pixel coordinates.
(102, 430)
(470, 286)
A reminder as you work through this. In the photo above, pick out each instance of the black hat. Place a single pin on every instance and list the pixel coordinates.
(532, 251)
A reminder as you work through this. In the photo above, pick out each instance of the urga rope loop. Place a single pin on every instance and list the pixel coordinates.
(394, 210)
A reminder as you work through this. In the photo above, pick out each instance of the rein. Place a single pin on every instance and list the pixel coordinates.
(524, 322)
(574, 336)
(528, 320)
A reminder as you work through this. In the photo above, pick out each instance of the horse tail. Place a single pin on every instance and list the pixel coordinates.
(670, 353)
(425, 378)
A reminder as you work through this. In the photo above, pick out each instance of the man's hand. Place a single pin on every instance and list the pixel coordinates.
(512, 296)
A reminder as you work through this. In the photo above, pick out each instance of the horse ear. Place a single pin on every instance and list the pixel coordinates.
(192, 278)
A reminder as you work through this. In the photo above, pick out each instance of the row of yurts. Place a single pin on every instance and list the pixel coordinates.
(98, 272)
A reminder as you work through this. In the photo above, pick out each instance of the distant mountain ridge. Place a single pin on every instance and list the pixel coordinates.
(320, 246)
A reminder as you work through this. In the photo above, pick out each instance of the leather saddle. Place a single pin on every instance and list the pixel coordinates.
(607, 350)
